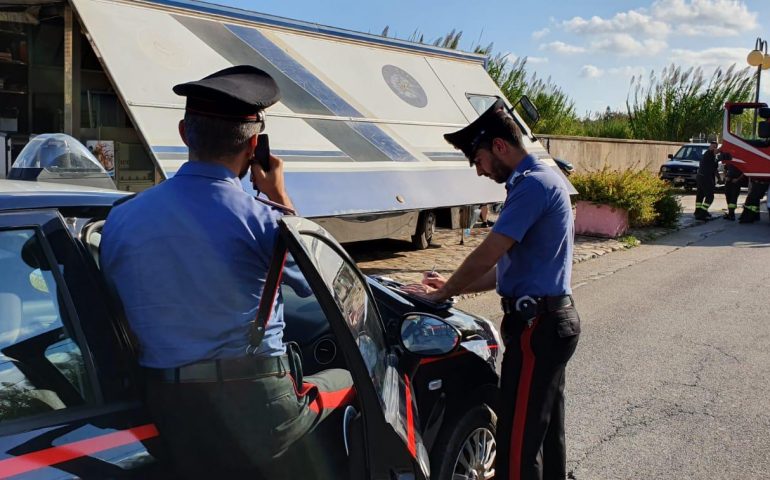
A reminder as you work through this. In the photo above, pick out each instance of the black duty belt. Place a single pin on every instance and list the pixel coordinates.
(207, 371)
(535, 304)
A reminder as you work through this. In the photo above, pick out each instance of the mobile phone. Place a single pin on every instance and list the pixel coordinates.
(262, 152)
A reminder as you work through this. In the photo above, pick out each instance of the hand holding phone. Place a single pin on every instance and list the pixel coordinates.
(267, 174)
(262, 152)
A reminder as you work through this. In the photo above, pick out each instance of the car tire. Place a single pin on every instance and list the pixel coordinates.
(426, 226)
(475, 426)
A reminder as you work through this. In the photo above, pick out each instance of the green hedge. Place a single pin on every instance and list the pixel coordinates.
(648, 199)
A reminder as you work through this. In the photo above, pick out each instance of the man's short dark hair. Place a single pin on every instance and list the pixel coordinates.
(213, 138)
(505, 129)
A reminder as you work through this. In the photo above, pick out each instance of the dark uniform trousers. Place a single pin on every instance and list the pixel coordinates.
(732, 191)
(258, 428)
(750, 211)
(530, 429)
(704, 195)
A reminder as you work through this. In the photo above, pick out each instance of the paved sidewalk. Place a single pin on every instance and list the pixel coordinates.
(396, 259)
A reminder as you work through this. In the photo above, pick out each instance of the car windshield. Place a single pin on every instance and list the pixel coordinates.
(691, 152)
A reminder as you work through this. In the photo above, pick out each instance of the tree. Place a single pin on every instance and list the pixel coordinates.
(681, 104)
(557, 109)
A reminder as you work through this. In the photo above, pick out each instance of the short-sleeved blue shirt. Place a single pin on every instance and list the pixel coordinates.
(188, 259)
(537, 214)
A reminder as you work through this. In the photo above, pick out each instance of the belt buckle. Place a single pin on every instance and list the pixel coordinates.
(526, 303)
(523, 303)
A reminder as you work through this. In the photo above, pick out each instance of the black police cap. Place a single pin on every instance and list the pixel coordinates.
(235, 93)
(490, 124)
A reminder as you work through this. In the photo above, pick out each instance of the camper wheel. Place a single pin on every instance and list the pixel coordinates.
(426, 225)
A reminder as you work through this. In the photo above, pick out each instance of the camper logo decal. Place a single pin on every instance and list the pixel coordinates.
(405, 86)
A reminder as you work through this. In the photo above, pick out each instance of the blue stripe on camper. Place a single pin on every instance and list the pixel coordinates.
(169, 149)
(321, 92)
(182, 150)
(444, 156)
(264, 19)
(322, 194)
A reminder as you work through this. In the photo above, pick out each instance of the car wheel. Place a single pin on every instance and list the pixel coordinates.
(426, 225)
(468, 450)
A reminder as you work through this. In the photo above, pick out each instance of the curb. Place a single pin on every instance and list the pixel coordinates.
(642, 236)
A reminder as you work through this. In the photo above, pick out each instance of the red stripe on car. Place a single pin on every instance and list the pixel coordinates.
(428, 360)
(410, 440)
(70, 451)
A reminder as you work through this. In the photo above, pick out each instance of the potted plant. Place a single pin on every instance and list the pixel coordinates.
(611, 201)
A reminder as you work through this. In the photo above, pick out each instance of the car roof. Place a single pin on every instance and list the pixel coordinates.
(21, 194)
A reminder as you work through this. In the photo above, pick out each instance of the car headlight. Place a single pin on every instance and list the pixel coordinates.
(664, 169)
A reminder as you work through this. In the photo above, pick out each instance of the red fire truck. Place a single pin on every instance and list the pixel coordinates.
(746, 146)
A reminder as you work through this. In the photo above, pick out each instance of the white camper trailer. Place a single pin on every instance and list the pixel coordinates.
(360, 125)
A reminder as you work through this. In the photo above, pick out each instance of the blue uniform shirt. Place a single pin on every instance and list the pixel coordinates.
(537, 214)
(189, 259)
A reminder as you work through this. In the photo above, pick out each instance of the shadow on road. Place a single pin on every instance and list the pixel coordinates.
(719, 233)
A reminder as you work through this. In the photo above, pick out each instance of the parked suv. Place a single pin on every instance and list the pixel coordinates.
(70, 390)
(682, 166)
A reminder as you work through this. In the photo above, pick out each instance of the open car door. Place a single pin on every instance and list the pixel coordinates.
(382, 436)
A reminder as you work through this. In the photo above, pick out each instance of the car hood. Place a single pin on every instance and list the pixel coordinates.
(477, 334)
(681, 163)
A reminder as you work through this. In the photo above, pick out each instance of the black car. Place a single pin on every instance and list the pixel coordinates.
(70, 389)
(682, 167)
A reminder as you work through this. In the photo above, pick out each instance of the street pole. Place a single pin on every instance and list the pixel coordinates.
(759, 75)
(760, 59)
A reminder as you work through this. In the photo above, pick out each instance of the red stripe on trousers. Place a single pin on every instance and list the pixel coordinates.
(70, 451)
(522, 399)
(329, 400)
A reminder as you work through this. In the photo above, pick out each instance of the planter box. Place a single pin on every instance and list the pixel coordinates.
(600, 220)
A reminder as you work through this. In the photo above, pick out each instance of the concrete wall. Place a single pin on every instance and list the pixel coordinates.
(594, 153)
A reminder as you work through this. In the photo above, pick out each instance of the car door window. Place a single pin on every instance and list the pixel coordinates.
(41, 366)
(353, 299)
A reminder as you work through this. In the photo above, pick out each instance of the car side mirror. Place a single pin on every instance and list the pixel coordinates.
(427, 335)
(530, 109)
(671, 155)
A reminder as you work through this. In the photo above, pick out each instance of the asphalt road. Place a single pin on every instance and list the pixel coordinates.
(671, 379)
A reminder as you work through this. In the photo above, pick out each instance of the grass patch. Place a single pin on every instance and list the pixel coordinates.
(629, 241)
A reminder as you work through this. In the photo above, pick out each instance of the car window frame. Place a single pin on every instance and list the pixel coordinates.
(376, 428)
(44, 223)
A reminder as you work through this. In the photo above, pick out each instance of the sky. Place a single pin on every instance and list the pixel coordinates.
(589, 48)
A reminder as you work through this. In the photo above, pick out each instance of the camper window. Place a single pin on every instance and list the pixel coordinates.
(481, 103)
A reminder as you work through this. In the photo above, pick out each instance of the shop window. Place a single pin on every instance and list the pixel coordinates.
(102, 109)
(41, 365)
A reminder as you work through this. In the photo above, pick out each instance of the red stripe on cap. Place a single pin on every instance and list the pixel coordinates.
(410, 440)
(522, 401)
(70, 451)
(244, 118)
(329, 400)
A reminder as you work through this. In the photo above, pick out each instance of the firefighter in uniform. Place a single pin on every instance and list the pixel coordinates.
(188, 260)
(705, 180)
(733, 181)
(527, 257)
(750, 213)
